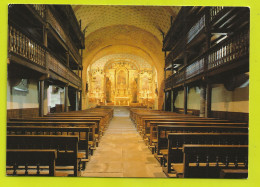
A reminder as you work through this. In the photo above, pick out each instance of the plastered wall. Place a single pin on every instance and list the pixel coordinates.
(230, 101)
(18, 99)
(194, 98)
(222, 99)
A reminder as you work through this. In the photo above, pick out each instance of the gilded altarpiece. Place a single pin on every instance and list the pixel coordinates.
(121, 83)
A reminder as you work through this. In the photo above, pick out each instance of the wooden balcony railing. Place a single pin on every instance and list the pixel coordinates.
(60, 69)
(228, 51)
(40, 9)
(20, 44)
(25, 47)
(61, 32)
(178, 77)
(195, 68)
(232, 49)
(195, 29)
(214, 11)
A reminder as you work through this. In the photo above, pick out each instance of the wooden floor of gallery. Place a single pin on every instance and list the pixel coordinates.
(122, 152)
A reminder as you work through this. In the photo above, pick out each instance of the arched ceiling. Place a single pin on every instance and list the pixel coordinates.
(125, 30)
(140, 62)
(154, 19)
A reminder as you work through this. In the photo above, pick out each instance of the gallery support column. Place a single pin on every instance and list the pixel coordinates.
(66, 98)
(77, 100)
(185, 99)
(41, 98)
(208, 100)
(202, 100)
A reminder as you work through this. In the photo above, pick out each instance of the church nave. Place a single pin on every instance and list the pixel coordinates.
(122, 152)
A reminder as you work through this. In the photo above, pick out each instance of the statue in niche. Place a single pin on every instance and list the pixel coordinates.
(121, 80)
(134, 90)
(145, 85)
(121, 83)
(108, 90)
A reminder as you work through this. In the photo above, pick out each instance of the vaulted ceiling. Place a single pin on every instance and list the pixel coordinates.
(154, 19)
(125, 31)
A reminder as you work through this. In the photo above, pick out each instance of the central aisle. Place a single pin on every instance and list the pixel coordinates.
(122, 152)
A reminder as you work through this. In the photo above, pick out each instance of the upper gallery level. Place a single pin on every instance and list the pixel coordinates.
(48, 39)
(206, 41)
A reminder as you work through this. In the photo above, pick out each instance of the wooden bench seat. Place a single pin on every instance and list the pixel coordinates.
(58, 124)
(82, 132)
(164, 130)
(177, 140)
(234, 173)
(66, 147)
(63, 121)
(15, 158)
(206, 161)
(146, 129)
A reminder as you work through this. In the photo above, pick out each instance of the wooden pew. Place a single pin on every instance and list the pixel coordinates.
(177, 140)
(206, 161)
(66, 146)
(151, 124)
(64, 121)
(234, 173)
(82, 132)
(92, 139)
(153, 137)
(161, 142)
(15, 158)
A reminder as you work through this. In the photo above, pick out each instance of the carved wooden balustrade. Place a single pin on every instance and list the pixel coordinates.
(230, 50)
(195, 68)
(214, 11)
(61, 32)
(40, 9)
(22, 45)
(196, 28)
(60, 69)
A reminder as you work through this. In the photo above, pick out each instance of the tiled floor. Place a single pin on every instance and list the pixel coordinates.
(122, 152)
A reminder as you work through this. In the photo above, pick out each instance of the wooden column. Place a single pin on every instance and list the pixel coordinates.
(205, 104)
(77, 101)
(202, 100)
(41, 98)
(172, 101)
(66, 98)
(185, 99)
(164, 106)
(208, 100)
(80, 100)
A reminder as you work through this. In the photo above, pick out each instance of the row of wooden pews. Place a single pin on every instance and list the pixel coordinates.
(194, 147)
(57, 144)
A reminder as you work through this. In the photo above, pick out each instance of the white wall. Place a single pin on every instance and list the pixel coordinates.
(179, 102)
(55, 98)
(222, 100)
(230, 101)
(194, 98)
(17, 99)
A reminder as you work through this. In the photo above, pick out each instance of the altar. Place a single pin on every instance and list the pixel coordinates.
(122, 101)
